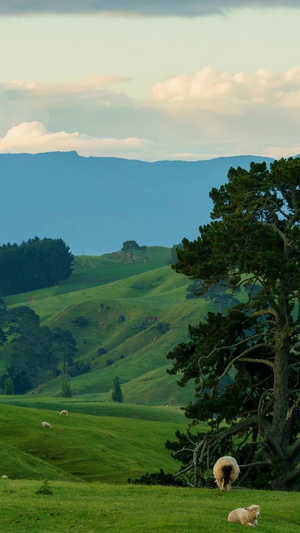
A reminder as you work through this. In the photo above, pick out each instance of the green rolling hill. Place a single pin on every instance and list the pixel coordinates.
(125, 316)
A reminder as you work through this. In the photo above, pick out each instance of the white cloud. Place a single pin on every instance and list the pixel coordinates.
(33, 137)
(229, 92)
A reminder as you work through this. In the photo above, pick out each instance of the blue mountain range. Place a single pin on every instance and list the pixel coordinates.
(96, 203)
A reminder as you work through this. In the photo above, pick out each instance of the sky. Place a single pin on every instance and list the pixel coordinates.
(150, 79)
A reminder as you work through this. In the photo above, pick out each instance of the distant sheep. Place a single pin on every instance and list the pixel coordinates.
(46, 425)
(246, 515)
(226, 471)
(4, 477)
(64, 412)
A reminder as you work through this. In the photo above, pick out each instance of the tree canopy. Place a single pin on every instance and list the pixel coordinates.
(32, 349)
(245, 362)
(34, 264)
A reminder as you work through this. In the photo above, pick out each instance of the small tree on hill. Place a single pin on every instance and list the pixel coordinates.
(65, 390)
(117, 395)
(246, 363)
(130, 246)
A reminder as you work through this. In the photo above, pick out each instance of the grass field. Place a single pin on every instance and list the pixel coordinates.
(127, 508)
(107, 446)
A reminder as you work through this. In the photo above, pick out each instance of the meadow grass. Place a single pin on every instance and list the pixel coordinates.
(96, 507)
(92, 448)
(93, 407)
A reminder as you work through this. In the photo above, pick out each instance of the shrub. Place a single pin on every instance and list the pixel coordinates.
(158, 478)
(121, 319)
(65, 390)
(80, 367)
(101, 351)
(109, 362)
(44, 489)
(81, 321)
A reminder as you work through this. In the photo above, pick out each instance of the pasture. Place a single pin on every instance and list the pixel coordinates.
(95, 507)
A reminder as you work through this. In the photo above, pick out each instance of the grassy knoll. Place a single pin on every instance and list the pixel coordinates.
(137, 509)
(91, 448)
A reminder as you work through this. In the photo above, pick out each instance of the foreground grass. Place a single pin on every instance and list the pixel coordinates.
(98, 507)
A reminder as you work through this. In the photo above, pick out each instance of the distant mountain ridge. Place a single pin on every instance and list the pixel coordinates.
(96, 203)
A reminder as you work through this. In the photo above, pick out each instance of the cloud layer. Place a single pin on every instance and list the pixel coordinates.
(33, 137)
(207, 114)
(188, 8)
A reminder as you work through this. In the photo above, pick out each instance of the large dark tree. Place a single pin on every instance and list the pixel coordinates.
(245, 363)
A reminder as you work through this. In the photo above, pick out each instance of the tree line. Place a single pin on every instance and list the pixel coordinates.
(34, 264)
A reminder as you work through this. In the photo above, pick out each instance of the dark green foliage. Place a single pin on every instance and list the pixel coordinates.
(121, 319)
(117, 395)
(219, 293)
(158, 478)
(33, 349)
(34, 264)
(81, 321)
(245, 363)
(163, 327)
(65, 390)
(44, 489)
(64, 345)
(9, 387)
(109, 362)
(78, 368)
(101, 351)
(130, 246)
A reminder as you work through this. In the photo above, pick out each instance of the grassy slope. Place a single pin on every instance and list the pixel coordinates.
(136, 347)
(98, 507)
(91, 448)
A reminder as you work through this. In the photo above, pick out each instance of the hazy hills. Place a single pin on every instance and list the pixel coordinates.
(95, 204)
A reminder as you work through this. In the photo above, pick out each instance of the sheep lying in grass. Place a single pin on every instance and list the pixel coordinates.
(4, 476)
(46, 425)
(64, 412)
(246, 515)
(226, 471)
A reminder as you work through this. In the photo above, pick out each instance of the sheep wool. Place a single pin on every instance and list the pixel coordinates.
(245, 515)
(46, 425)
(226, 471)
(64, 412)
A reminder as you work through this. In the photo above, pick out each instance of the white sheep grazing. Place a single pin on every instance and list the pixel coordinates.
(4, 477)
(46, 425)
(64, 412)
(226, 471)
(246, 515)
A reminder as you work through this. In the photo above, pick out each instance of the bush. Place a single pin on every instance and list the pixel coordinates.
(159, 478)
(81, 321)
(121, 319)
(109, 362)
(163, 327)
(80, 367)
(65, 390)
(101, 351)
